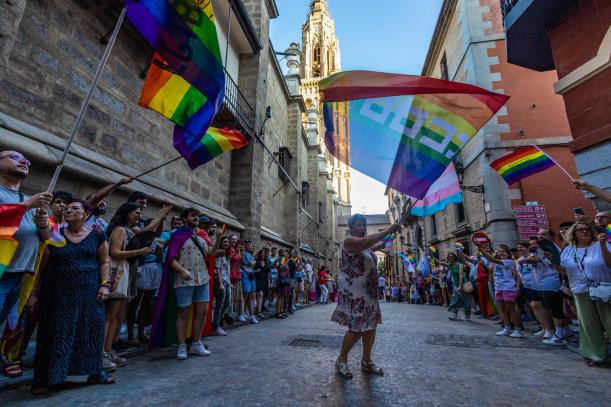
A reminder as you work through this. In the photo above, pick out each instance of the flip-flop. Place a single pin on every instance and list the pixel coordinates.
(101, 378)
(13, 371)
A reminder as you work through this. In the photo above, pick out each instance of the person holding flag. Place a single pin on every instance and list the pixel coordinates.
(23, 227)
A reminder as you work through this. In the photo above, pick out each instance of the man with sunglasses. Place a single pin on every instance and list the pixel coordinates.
(33, 229)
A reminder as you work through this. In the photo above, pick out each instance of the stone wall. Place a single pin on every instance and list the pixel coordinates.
(56, 51)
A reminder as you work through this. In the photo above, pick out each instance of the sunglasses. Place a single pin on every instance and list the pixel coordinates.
(18, 158)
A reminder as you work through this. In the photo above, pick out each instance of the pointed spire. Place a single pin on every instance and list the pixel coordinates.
(319, 5)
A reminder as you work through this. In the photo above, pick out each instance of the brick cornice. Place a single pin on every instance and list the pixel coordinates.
(441, 28)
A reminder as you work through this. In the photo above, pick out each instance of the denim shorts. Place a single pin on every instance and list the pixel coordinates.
(248, 286)
(185, 296)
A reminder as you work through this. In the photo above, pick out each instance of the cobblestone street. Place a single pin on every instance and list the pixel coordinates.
(428, 360)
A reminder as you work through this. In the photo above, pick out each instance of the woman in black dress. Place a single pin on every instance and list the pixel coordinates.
(262, 271)
(73, 288)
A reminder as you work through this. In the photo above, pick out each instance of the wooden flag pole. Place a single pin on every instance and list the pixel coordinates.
(86, 101)
(555, 162)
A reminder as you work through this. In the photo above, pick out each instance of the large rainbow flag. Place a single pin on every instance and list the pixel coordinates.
(186, 78)
(403, 130)
(10, 218)
(522, 163)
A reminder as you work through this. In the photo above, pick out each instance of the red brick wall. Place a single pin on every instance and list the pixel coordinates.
(576, 38)
(574, 41)
(547, 118)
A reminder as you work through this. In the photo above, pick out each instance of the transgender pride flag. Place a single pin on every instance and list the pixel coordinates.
(402, 130)
(446, 190)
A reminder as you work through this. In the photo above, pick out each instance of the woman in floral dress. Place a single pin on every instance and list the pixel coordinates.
(358, 306)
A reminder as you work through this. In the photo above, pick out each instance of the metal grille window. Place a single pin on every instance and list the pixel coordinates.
(284, 158)
(433, 225)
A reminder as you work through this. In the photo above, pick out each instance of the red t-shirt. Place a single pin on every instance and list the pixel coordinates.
(322, 277)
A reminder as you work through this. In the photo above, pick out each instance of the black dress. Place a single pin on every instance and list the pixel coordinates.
(262, 271)
(71, 330)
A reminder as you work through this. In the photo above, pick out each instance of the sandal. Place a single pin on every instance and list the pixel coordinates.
(597, 363)
(370, 367)
(342, 369)
(101, 378)
(280, 316)
(39, 391)
(13, 370)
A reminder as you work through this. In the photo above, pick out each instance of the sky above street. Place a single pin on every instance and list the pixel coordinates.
(384, 35)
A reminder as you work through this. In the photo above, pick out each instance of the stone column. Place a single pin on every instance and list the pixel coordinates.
(10, 18)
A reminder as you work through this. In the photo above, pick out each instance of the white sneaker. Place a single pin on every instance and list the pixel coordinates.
(548, 334)
(504, 332)
(181, 354)
(242, 318)
(555, 341)
(220, 332)
(517, 334)
(199, 349)
(540, 333)
(252, 319)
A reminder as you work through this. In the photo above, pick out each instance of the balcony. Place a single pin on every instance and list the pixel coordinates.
(526, 25)
(235, 112)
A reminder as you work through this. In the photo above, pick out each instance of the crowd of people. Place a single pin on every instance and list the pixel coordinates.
(555, 284)
(165, 282)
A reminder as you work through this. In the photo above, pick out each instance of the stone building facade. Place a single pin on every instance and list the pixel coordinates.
(321, 58)
(468, 45)
(48, 55)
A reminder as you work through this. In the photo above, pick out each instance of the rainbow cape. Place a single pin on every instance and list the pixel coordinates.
(186, 78)
(522, 163)
(404, 130)
(163, 332)
(22, 321)
(10, 218)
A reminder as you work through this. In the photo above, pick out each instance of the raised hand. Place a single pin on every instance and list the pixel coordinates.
(39, 200)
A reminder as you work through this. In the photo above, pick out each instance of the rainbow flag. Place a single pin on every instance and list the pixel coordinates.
(10, 219)
(56, 238)
(411, 259)
(433, 249)
(388, 239)
(404, 130)
(608, 231)
(459, 246)
(522, 163)
(186, 79)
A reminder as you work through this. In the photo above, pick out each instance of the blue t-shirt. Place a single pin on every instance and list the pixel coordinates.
(247, 260)
(545, 276)
(24, 259)
(525, 271)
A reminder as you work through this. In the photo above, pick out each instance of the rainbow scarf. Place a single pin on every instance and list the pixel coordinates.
(522, 163)
(10, 219)
(186, 79)
(404, 130)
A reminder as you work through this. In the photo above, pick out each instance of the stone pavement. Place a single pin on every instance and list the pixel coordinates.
(429, 361)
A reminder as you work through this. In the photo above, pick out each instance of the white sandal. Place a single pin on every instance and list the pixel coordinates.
(370, 367)
(342, 369)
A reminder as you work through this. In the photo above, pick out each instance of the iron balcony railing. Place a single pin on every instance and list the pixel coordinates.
(238, 106)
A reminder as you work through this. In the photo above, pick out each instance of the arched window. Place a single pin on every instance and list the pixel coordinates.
(317, 55)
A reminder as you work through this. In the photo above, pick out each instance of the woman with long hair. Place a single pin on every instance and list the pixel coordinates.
(358, 306)
(587, 262)
(222, 286)
(120, 231)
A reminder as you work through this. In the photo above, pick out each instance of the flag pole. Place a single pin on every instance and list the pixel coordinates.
(85, 103)
(157, 167)
(555, 162)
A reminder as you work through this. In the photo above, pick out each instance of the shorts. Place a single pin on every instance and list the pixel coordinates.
(274, 278)
(185, 296)
(248, 286)
(531, 295)
(506, 295)
(149, 276)
(552, 301)
(299, 280)
(292, 283)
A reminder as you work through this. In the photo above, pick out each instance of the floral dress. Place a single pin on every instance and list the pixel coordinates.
(358, 306)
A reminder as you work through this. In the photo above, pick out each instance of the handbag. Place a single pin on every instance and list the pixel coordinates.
(119, 276)
(599, 291)
(467, 286)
